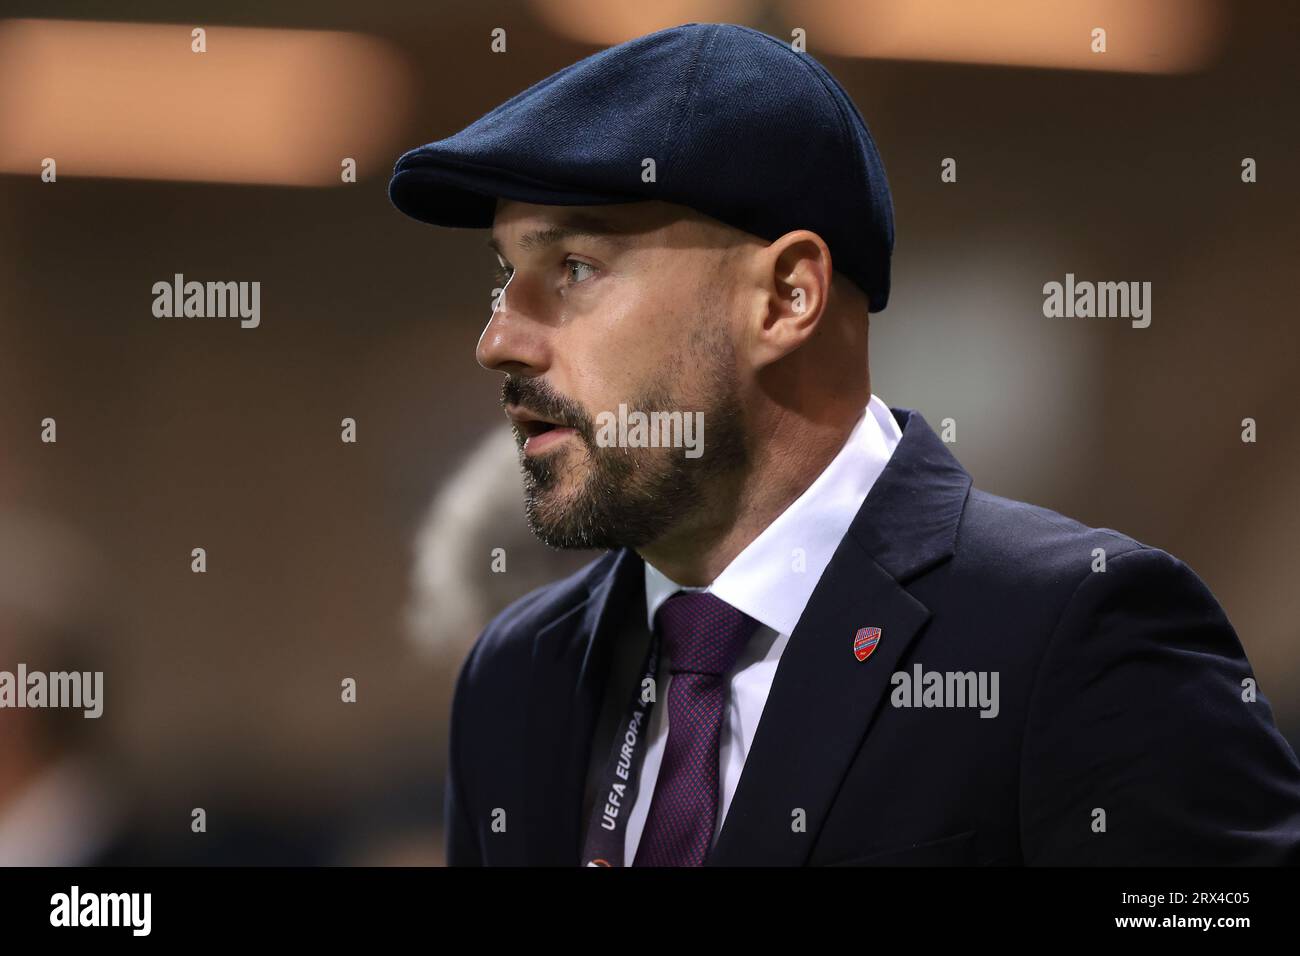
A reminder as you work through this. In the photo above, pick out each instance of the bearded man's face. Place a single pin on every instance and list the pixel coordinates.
(605, 307)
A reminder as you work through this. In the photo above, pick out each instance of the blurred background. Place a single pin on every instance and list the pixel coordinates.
(370, 560)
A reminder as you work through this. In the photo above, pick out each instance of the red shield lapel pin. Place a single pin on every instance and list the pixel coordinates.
(865, 642)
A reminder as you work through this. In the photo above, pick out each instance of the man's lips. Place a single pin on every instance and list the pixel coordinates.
(539, 433)
(536, 444)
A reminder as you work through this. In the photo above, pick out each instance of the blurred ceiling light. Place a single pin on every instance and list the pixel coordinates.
(1142, 36)
(260, 106)
(602, 23)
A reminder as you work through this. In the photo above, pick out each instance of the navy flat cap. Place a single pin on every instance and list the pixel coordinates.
(739, 127)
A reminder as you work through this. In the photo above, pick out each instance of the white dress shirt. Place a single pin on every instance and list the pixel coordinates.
(771, 580)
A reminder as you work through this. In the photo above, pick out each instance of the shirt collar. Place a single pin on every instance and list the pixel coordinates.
(773, 578)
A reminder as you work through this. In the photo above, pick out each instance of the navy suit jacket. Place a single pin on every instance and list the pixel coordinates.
(1122, 736)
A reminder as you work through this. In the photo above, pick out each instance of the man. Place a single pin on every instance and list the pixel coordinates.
(810, 641)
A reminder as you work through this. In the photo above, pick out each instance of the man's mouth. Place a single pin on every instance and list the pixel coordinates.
(539, 433)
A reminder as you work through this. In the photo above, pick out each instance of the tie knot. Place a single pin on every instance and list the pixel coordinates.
(702, 634)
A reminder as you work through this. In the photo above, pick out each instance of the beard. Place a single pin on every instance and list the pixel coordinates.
(630, 497)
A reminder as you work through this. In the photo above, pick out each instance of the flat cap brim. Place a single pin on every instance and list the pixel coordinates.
(435, 190)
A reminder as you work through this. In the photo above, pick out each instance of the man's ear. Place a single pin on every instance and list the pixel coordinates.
(796, 273)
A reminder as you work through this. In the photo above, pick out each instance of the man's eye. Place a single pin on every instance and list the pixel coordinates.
(501, 275)
(579, 271)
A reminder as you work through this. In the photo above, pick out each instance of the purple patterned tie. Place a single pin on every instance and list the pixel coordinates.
(703, 636)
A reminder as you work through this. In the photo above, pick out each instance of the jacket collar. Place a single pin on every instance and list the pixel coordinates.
(909, 521)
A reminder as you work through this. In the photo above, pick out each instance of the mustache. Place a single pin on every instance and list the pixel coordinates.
(541, 399)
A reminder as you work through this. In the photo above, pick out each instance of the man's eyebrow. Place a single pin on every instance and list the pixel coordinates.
(578, 226)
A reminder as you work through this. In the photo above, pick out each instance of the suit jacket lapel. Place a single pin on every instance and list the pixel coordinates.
(823, 699)
(571, 657)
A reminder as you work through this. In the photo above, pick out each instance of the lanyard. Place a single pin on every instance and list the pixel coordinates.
(617, 787)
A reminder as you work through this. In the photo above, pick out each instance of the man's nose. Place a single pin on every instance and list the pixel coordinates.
(513, 342)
